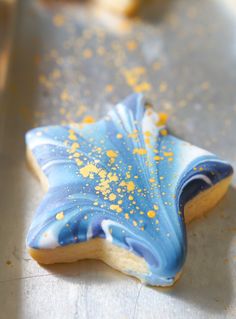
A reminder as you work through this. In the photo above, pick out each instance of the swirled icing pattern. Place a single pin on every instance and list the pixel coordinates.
(124, 179)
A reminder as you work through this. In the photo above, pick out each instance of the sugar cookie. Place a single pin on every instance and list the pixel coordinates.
(121, 190)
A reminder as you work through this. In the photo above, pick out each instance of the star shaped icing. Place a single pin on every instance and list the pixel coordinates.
(123, 179)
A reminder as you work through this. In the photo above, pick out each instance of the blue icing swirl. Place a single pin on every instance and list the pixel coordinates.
(124, 179)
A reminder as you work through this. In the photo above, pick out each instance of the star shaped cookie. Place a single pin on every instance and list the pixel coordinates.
(121, 190)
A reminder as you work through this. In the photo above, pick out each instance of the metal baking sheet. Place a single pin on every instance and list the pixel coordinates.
(66, 61)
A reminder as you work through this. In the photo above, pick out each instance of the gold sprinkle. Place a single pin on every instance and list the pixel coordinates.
(168, 154)
(87, 53)
(76, 154)
(56, 74)
(151, 214)
(74, 147)
(143, 86)
(163, 118)
(135, 223)
(116, 208)
(72, 135)
(109, 88)
(58, 20)
(86, 170)
(132, 45)
(60, 216)
(130, 186)
(112, 197)
(147, 133)
(65, 96)
(152, 180)
(163, 132)
(111, 154)
(140, 151)
(119, 136)
(88, 119)
(78, 162)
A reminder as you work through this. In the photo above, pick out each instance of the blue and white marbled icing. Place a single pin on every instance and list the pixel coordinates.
(124, 179)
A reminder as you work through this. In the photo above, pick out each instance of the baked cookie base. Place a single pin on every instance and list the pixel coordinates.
(113, 255)
(206, 200)
(125, 7)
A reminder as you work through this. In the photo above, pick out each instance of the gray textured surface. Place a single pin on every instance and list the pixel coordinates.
(69, 62)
